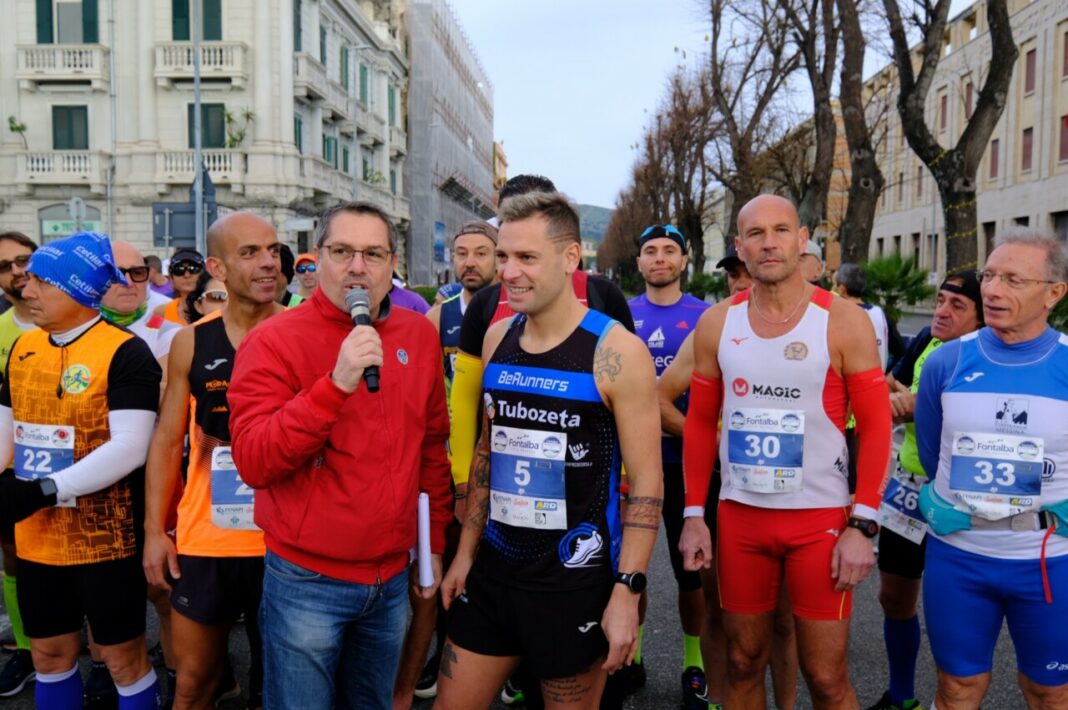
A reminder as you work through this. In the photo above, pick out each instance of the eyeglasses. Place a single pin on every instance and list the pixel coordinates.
(1010, 280)
(214, 296)
(342, 254)
(137, 274)
(309, 268)
(185, 267)
(21, 260)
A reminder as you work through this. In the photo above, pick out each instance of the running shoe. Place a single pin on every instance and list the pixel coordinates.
(17, 672)
(427, 685)
(511, 695)
(887, 703)
(694, 691)
(100, 692)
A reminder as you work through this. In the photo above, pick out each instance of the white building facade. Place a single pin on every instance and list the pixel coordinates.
(302, 106)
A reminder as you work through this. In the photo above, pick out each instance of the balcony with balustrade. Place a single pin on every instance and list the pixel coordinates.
(226, 167)
(62, 64)
(370, 127)
(62, 167)
(398, 141)
(219, 62)
(309, 77)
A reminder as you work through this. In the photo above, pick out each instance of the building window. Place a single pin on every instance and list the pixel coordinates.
(1064, 59)
(330, 150)
(345, 160)
(919, 182)
(366, 168)
(393, 181)
(70, 128)
(298, 132)
(344, 73)
(897, 243)
(969, 99)
(1026, 146)
(393, 106)
(365, 84)
(1064, 139)
(1022, 221)
(212, 125)
(182, 24)
(900, 187)
(879, 246)
(1060, 225)
(943, 112)
(1029, 71)
(296, 26)
(995, 155)
(68, 21)
(322, 45)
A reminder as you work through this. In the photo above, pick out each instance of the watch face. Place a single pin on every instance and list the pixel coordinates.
(637, 583)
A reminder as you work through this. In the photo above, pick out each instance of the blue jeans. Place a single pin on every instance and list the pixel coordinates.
(329, 643)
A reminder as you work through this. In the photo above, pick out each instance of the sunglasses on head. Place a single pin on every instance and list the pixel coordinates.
(306, 269)
(137, 274)
(20, 260)
(185, 267)
(214, 296)
(668, 229)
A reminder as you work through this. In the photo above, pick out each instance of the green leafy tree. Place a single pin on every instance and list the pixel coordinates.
(700, 285)
(1059, 318)
(893, 281)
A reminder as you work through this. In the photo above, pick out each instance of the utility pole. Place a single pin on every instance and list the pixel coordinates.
(198, 180)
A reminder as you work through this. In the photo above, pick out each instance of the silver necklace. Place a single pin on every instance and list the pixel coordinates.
(777, 322)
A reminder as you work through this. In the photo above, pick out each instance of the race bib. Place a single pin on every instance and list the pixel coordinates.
(232, 502)
(527, 478)
(42, 449)
(900, 509)
(995, 476)
(765, 450)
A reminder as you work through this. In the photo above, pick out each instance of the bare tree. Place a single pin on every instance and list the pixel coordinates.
(815, 30)
(955, 169)
(750, 57)
(866, 180)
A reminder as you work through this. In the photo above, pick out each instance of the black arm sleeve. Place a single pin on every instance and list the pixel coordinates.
(134, 377)
(612, 301)
(477, 319)
(902, 371)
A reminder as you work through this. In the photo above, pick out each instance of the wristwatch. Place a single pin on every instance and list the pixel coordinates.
(634, 581)
(48, 487)
(870, 528)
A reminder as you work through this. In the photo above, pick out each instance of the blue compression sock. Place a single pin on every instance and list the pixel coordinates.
(142, 695)
(902, 648)
(59, 691)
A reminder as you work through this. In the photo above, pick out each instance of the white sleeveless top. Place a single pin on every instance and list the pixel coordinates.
(882, 331)
(780, 447)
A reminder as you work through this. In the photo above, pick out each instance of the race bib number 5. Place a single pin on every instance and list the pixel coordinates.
(995, 476)
(232, 502)
(42, 449)
(765, 449)
(527, 478)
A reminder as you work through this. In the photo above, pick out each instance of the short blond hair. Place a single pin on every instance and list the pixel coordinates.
(557, 209)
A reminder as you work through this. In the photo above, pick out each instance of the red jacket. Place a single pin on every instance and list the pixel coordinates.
(339, 475)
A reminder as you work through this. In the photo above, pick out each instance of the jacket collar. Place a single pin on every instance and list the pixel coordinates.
(332, 313)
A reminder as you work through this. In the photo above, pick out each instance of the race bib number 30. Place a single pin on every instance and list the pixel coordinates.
(527, 478)
(42, 449)
(994, 475)
(765, 449)
(231, 500)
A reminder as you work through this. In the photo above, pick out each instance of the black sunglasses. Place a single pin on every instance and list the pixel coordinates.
(185, 267)
(21, 260)
(137, 274)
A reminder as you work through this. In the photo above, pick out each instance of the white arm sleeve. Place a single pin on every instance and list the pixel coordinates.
(7, 436)
(131, 432)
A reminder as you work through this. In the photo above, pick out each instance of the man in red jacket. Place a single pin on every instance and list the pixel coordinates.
(338, 470)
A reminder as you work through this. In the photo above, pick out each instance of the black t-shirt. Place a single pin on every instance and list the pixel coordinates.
(904, 367)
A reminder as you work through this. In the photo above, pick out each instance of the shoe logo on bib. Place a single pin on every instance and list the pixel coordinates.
(580, 546)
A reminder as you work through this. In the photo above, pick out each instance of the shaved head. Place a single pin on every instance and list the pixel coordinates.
(764, 202)
(126, 254)
(226, 232)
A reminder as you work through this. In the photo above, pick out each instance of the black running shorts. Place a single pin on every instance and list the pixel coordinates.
(216, 590)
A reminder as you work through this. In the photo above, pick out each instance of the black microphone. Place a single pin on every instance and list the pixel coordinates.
(358, 301)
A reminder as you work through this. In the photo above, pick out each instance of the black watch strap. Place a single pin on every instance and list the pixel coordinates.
(870, 528)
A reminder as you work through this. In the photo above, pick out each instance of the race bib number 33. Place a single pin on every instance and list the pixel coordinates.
(765, 449)
(996, 475)
(42, 449)
(527, 478)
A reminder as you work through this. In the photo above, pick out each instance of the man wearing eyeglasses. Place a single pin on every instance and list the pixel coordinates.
(127, 304)
(338, 470)
(185, 267)
(15, 251)
(307, 275)
(990, 417)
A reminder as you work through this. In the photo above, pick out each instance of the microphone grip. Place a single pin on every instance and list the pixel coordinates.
(370, 376)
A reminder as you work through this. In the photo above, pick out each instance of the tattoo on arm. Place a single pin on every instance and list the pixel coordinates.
(567, 691)
(478, 503)
(607, 364)
(448, 658)
(643, 513)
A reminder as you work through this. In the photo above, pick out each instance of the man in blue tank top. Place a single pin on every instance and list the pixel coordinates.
(663, 317)
(990, 428)
(547, 572)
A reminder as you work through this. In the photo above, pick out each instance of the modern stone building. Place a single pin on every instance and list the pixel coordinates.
(450, 170)
(302, 106)
(1023, 177)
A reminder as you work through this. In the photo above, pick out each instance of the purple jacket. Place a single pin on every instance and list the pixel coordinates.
(408, 299)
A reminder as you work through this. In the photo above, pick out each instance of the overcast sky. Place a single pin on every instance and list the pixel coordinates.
(575, 81)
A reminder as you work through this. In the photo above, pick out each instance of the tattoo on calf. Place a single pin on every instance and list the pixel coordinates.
(448, 658)
(643, 513)
(607, 363)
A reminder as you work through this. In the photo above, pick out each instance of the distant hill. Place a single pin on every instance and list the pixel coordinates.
(594, 221)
